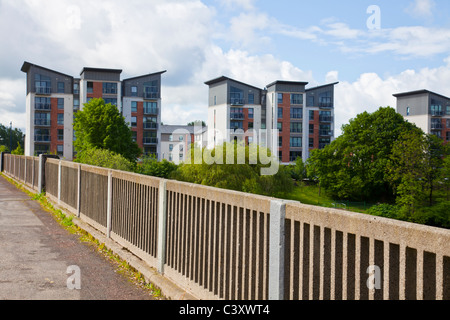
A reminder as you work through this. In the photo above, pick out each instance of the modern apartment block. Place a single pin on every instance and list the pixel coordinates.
(54, 97)
(303, 117)
(428, 110)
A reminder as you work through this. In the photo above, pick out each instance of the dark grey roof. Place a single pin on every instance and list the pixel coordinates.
(224, 78)
(416, 92)
(100, 70)
(146, 75)
(287, 82)
(27, 65)
(322, 86)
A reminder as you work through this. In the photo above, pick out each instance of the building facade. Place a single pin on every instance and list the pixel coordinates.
(303, 118)
(53, 98)
(427, 110)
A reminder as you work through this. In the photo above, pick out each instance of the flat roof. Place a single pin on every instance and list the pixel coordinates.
(416, 92)
(224, 78)
(27, 65)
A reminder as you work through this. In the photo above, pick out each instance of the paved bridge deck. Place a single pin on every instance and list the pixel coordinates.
(35, 252)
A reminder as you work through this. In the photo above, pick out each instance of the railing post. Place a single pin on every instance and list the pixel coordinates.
(79, 191)
(2, 161)
(109, 205)
(41, 173)
(276, 249)
(162, 219)
(59, 182)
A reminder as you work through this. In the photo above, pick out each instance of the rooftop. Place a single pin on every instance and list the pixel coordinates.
(417, 92)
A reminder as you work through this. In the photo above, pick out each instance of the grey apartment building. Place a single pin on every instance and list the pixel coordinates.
(428, 110)
(303, 117)
(53, 98)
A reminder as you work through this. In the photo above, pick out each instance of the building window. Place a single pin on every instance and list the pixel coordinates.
(61, 119)
(293, 155)
(150, 123)
(447, 112)
(448, 135)
(170, 147)
(42, 103)
(235, 125)
(151, 90)
(171, 138)
(296, 113)
(448, 123)
(280, 113)
(41, 119)
(43, 84)
(76, 88)
(133, 106)
(436, 108)
(112, 101)
(325, 100)
(60, 149)
(251, 98)
(60, 134)
(310, 100)
(280, 98)
(42, 135)
(311, 142)
(311, 128)
(296, 98)
(109, 88)
(61, 87)
(133, 122)
(311, 114)
(150, 108)
(296, 127)
(236, 96)
(236, 113)
(134, 136)
(296, 142)
(170, 157)
(280, 142)
(134, 91)
(408, 109)
(250, 113)
(280, 126)
(180, 138)
(250, 125)
(90, 87)
(76, 104)
(61, 103)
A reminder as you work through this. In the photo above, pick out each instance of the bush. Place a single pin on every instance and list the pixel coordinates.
(151, 167)
(436, 216)
(385, 210)
(104, 158)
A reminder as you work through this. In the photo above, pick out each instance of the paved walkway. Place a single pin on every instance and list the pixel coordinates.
(35, 253)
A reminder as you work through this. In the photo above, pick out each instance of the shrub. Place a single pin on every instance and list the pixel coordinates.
(104, 158)
(151, 167)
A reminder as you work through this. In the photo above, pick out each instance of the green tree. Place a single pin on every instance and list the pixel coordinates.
(101, 126)
(354, 165)
(8, 136)
(298, 170)
(19, 150)
(152, 167)
(106, 159)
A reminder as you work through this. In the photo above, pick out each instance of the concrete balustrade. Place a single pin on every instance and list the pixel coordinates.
(222, 244)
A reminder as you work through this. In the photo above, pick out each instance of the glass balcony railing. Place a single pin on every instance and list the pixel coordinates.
(237, 101)
(150, 125)
(42, 106)
(42, 122)
(325, 132)
(151, 110)
(437, 113)
(326, 119)
(150, 140)
(151, 95)
(237, 116)
(43, 90)
(437, 126)
(42, 138)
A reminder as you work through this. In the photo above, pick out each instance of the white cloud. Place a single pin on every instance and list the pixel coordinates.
(421, 8)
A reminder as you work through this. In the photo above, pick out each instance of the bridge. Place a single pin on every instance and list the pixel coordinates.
(221, 244)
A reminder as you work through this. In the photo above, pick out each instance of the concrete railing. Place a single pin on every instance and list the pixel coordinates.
(221, 244)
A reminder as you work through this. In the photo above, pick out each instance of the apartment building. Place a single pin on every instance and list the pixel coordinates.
(176, 141)
(303, 118)
(428, 110)
(54, 97)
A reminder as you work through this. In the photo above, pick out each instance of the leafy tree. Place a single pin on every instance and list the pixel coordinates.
(15, 134)
(4, 148)
(298, 170)
(101, 126)
(106, 159)
(150, 166)
(193, 123)
(234, 170)
(353, 165)
(19, 150)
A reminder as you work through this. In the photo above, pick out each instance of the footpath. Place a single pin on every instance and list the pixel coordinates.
(40, 260)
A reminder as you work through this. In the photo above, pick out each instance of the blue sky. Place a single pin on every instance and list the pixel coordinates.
(255, 41)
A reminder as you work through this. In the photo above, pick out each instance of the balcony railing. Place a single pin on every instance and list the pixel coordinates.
(42, 122)
(325, 105)
(42, 138)
(150, 140)
(237, 116)
(237, 102)
(43, 90)
(325, 133)
(436, 126)
(151, 110)
(437, 113)
(150, 125)
(42, 106)
(326, 119)
(151, 95)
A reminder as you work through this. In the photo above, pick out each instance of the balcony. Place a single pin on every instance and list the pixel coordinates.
(437, 113)
(150, 140)
(237, 116)
(42, 122)
(437, 126)
(325, 133)
(237, 102)
(43, 90)
(42, 138)
(151, 95)
(326, 119)
(42, 106)
(327, 105)
(151, 110)
(150, 125)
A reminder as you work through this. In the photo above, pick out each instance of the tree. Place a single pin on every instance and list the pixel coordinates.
(19, 150)
(298, 170)
(10, 138)
(105, 158)
(151, 167)
(353, 165)
(101, 126)
(193, 123)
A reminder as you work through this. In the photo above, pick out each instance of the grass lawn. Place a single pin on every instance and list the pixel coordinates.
(309, 194)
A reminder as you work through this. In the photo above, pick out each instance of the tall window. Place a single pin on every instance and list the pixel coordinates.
(296, 113)
(296, 98)
(133, 106)
(311, 114)
(109, 88)
(151, 89)
(150, 123)
(43, 84)
(236, 96)
(133, 122)
(150, 107)
(61, 119)
(250, 113)
(61, 88)
(325, 100)
(90, 87)
(280, 113)
(61, 103)
(296, 142)
(236, 113)
(296, 127)
(134, 91)
(251, 98)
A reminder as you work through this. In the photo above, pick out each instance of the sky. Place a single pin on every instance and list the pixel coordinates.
(374, 48)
